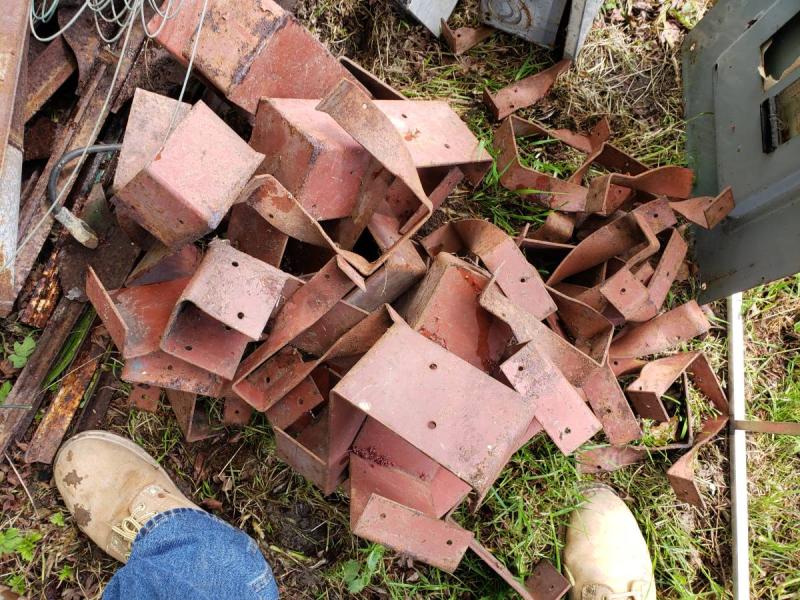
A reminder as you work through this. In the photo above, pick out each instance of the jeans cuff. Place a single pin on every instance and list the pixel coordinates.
(162, 517)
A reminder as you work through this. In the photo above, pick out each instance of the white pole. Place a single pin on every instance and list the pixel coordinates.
(738, 451)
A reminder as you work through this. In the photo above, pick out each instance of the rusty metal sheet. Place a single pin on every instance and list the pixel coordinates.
(241, 50)
(629, 296)
(191, 416)
(53, 427)
(27, 390)
(235, 411)
(317, 444)
(148, 123)
(162, 370)
(250, 233)
(518, 279)
(560, 409)
(445, 309)
(525, 92)
(681, 474)
(352, 109)
(297, 404)
(706, 211)
(590, 330)
(330, 165)
(609, 192)
(225, 271)
(145, 397)
(597, 382)
(134, 317)
(46, 73)
(462, 418)
(557, 228)
(657, 376)
(533, 185)
(662, 333)
(462, 39)
(304, 307)
(399, 273)
(162, 264)
(225, 305)
(327, 164)
(382, 462)
(631, 231)
(13, 48)
(83, 40)
(411, 532)
(606, 155)
(667, 268)
(199, 172)
(379, 89)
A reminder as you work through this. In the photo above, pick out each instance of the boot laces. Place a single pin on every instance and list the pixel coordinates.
(130, 526)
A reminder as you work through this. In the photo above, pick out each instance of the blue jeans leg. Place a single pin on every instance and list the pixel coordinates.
(190, 554)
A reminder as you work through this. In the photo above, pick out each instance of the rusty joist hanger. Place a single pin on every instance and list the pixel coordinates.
(197, 174)
(251, 49)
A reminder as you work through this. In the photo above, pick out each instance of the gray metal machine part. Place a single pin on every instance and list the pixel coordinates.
(430, 12)
(742, 96)
(534, 20)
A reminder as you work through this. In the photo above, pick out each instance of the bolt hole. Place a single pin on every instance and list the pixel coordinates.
(431, 424)
(180, 221)
(267, 379)
(520, 368)
(383, 515)
(511, 106)
(169, 367)
(449, 542)
(567, 431)
(523, 279)
(271, 216)
(433, 366)
(327, 276)
(655, 215)
(188, 347)
(227, 328)
(405, 116)
(240, 315)
(458, 35)
(616, 362)
(622, 291)
(300, 401)
(235, 263)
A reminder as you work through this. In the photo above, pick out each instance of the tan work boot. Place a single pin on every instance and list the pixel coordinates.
(112, 487)
(605, 553)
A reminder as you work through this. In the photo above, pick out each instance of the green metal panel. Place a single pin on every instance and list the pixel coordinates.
(729, 142)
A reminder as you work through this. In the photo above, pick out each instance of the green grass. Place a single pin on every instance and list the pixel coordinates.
(773, 379)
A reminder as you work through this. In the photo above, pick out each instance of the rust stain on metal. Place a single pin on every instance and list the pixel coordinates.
(51, 430)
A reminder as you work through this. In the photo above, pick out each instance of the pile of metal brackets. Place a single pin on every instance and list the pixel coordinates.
(287, 276)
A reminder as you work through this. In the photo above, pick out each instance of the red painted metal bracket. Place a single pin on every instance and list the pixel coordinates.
(198, 174)
(225, 305)
(464, 38)
(518, 279)
(462, 418)
(243, 47)
(706, 211)
(525, 92)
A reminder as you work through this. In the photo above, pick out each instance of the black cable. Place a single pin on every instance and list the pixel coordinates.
(69, 156)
